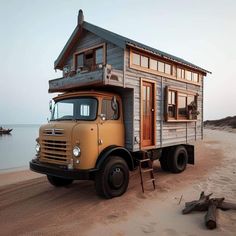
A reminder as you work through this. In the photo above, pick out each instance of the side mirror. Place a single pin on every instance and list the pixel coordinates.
(115, 108)
(114, 104)
(50, 106)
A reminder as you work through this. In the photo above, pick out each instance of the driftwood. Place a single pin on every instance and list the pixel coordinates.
(197, 205)
(210, 218)
(227, 206)
(210, 205)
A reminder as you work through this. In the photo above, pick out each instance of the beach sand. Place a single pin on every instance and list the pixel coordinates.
(30, 206)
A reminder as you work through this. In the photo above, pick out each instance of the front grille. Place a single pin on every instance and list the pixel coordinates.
(55, 151)
(54, 132)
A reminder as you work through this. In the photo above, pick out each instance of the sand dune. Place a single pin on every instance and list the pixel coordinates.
(33, 207)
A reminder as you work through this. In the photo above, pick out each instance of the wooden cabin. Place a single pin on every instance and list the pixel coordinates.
(162, 94)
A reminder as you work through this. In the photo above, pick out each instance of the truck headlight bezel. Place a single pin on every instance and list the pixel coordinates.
(76, 151)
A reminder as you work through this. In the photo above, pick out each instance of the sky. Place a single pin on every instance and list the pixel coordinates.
(33, 33)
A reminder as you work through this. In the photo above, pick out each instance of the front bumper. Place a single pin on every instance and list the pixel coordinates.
(62, 172)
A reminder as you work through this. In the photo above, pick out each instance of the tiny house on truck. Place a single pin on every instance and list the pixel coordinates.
(120, 102)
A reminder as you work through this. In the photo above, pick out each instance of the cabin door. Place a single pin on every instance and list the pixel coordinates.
(147, 114)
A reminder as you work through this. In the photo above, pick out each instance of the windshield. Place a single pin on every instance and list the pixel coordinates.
(82, 108)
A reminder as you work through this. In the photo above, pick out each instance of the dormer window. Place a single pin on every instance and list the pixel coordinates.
(99, 56)
(90, 59)
(80, 60)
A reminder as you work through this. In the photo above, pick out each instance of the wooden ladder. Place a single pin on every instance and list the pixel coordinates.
(146, 170)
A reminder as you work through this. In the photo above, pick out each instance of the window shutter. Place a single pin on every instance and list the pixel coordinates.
(166, 99)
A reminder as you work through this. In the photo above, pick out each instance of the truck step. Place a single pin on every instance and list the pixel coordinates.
(147, 170)
(145, 160)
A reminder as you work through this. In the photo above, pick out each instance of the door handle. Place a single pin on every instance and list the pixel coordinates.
(152, 109)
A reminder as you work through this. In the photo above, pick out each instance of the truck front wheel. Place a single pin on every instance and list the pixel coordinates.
(58, 182)
(113, 178)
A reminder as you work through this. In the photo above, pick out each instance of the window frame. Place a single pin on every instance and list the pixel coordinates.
(148, 68)
(57, 100)
(94, 65)
(178, 117)
(110, 99)
(174, 67)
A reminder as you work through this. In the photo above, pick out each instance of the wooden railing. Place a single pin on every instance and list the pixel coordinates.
(99, 77)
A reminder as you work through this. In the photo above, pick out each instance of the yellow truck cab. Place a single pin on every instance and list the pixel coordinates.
(86, 128)
(120, 102)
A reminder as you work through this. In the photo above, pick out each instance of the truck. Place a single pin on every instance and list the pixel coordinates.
(118, 102)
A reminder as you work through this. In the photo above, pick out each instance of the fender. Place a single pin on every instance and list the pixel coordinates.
(118, 151)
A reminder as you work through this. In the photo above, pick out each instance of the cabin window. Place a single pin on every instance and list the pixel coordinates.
(171, 104)
(188, 75)
(136, 59)
(99, 56)
(180, 105)
(89, 59)
(167, 69)
(144, 61)
(80, 60)
(180, 73)
(195, 77)
(161, 66)
(108, 111)
(153, 64)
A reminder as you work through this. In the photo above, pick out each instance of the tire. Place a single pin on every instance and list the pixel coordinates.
(164, 160)
(178, 159)
(59, 182)
(113, 178)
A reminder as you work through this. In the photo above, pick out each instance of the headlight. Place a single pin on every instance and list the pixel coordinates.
(76, 151)
(37, 147)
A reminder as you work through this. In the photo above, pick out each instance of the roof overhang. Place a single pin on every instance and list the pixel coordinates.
(119, 41)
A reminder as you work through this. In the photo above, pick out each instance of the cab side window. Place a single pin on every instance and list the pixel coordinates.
(109, 111)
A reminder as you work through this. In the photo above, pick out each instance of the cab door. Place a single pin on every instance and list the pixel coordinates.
(110, 127)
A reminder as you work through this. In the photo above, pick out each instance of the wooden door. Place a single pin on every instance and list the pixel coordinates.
(147, 114)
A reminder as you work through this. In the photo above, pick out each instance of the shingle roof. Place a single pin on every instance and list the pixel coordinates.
(122, 42)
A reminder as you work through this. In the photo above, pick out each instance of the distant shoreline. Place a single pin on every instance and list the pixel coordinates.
(14, 169)
(21, 124)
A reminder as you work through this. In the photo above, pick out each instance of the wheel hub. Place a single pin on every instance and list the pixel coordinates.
(116, 178)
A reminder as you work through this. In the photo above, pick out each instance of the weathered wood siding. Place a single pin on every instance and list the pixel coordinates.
(128, 110)
(114, 54)
(167, 133)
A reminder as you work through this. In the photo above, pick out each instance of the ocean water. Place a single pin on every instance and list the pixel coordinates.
(18, 148)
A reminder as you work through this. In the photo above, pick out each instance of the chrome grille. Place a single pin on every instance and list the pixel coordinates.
(55, 151)
(54, 132)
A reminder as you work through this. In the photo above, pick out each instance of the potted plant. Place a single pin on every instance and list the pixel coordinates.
(192, 111)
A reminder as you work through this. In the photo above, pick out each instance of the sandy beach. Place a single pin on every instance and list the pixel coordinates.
(31, 206)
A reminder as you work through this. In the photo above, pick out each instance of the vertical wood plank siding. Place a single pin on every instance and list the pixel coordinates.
(167, 133)
(114, 54)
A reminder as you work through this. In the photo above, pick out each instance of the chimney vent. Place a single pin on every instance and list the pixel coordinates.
(80, 17)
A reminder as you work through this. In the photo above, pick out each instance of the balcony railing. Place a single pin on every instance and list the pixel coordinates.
(105, 75)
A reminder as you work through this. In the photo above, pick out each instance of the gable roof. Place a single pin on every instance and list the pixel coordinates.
(118, 40)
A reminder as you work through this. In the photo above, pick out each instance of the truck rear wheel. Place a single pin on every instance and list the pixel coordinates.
(164, 160)
(113, 178)
(58, 182)
(178, 159)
